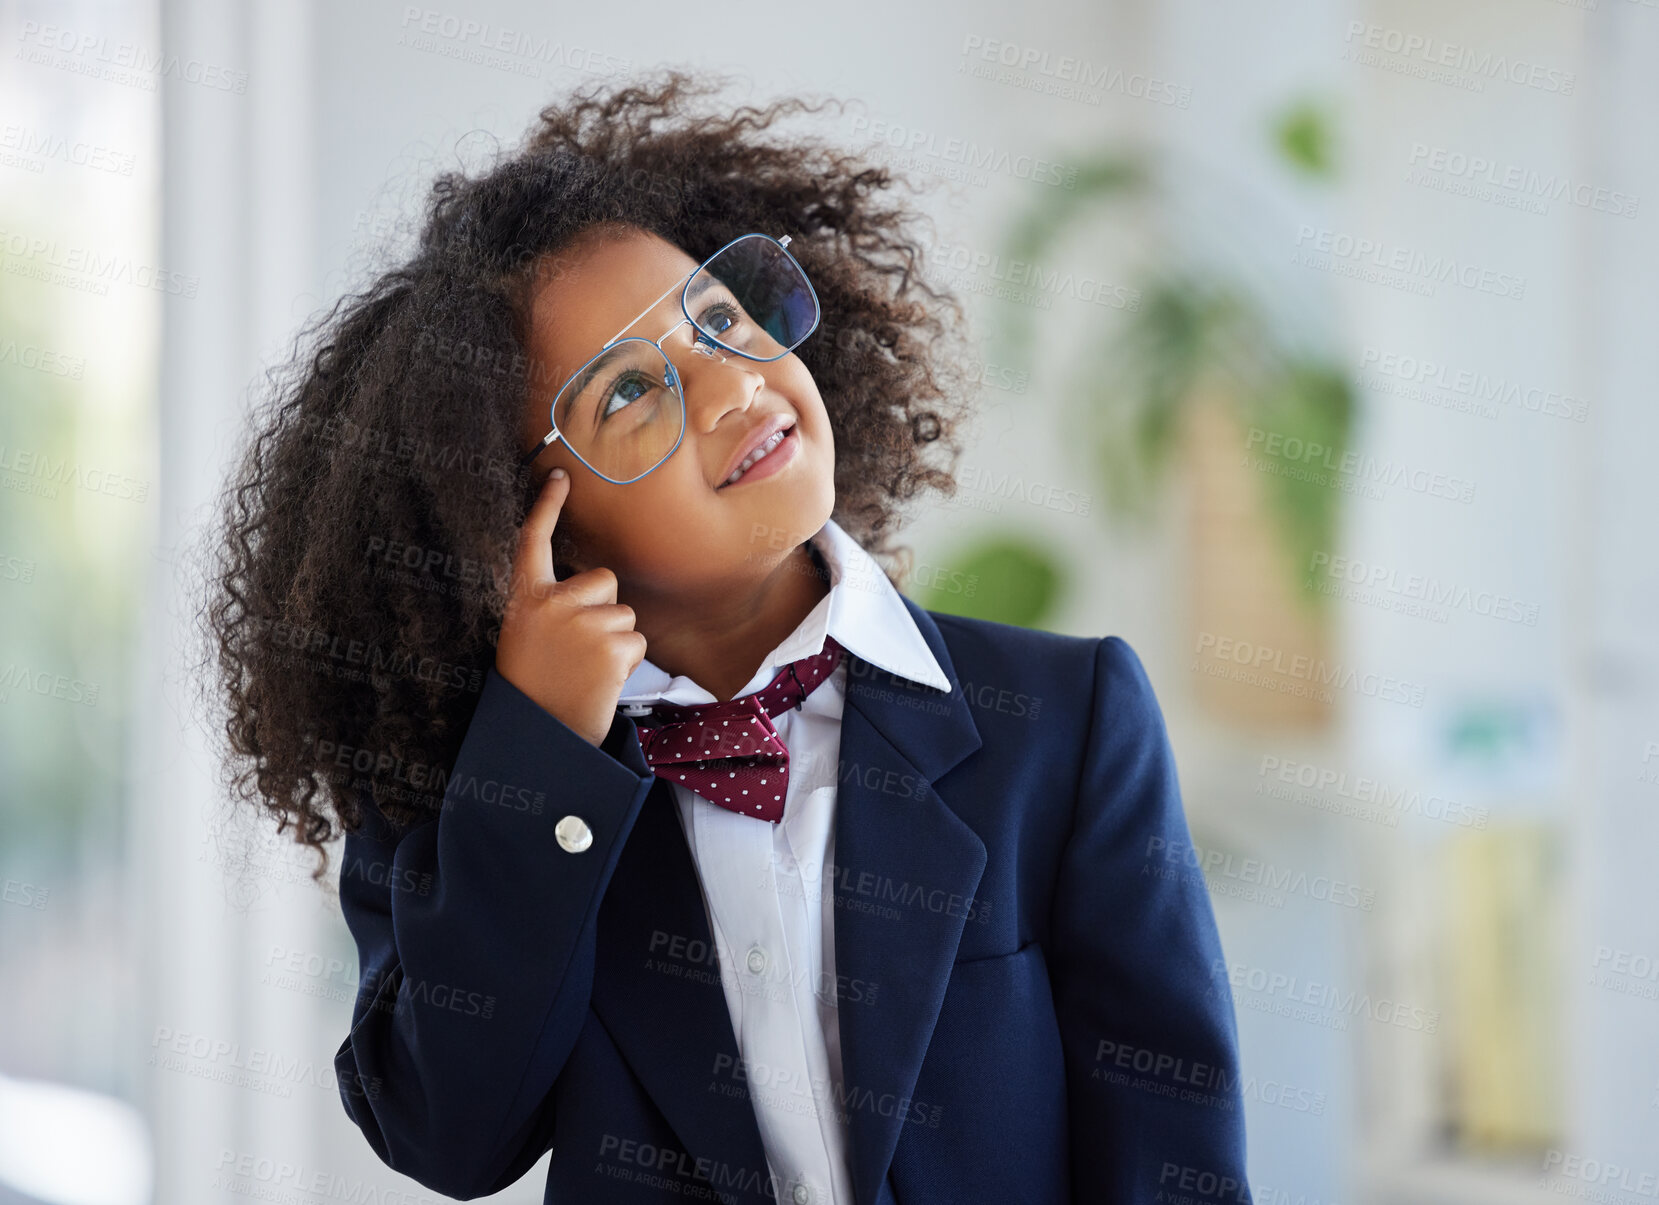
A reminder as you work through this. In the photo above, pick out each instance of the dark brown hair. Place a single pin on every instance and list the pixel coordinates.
(359, 556)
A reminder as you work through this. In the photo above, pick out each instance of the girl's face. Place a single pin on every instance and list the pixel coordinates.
(679, 530)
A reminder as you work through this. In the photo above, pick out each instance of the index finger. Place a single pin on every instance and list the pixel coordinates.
(535, 550)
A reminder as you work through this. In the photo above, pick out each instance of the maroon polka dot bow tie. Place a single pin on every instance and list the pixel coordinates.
(729, 752)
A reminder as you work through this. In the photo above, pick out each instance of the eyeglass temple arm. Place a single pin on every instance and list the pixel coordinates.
(538, 449)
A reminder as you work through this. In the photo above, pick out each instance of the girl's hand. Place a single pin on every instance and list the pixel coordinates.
(568, 645)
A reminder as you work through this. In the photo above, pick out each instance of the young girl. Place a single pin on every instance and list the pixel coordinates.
(678, 841)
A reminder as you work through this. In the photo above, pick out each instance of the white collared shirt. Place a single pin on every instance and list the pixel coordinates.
(764, 884)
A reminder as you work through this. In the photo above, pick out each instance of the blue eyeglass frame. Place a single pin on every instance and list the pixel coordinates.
(702, 343)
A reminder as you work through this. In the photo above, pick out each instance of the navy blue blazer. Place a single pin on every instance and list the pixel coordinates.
(1029, 1011)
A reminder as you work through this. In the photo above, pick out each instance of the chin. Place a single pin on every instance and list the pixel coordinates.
(810, 501)
(786, 518)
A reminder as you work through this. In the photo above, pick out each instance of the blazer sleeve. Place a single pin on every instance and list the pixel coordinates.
(1149, 1034)
(475, 933)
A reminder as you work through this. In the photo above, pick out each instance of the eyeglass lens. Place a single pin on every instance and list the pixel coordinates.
(623, 413)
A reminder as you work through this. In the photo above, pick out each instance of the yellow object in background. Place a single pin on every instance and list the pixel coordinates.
(1502, 969)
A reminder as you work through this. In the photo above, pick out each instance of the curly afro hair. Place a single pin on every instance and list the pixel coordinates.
(360, 553)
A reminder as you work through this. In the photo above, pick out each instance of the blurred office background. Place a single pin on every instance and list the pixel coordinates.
(1319, 367)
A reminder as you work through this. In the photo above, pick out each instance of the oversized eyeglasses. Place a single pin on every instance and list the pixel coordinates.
(623, 412)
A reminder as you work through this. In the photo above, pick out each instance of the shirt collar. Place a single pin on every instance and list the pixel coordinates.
(863, 611)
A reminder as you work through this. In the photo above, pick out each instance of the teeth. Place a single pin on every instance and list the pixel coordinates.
(756, 455)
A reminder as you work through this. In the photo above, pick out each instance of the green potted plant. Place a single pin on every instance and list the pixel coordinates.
(1200, 367)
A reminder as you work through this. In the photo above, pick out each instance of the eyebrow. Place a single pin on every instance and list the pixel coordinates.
(586, 375)
(703, 288)
(581, 382)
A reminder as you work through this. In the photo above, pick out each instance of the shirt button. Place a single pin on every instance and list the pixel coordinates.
(757, 959)
(574, 835)
(802, 1194)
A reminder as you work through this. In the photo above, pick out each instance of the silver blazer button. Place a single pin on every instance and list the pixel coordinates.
(574, 835)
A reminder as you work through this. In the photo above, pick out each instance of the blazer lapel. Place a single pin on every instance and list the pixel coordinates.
(905, 868)
(657, 988)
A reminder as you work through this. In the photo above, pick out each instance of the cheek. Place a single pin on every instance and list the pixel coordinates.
(815, 419)
(586, 518)
(651, 527)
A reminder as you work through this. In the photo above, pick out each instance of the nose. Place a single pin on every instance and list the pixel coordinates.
(715, 382)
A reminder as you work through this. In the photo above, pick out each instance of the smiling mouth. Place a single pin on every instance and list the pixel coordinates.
(759, 455)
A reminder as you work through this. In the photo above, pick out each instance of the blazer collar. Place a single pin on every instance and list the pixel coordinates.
(906, 867)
